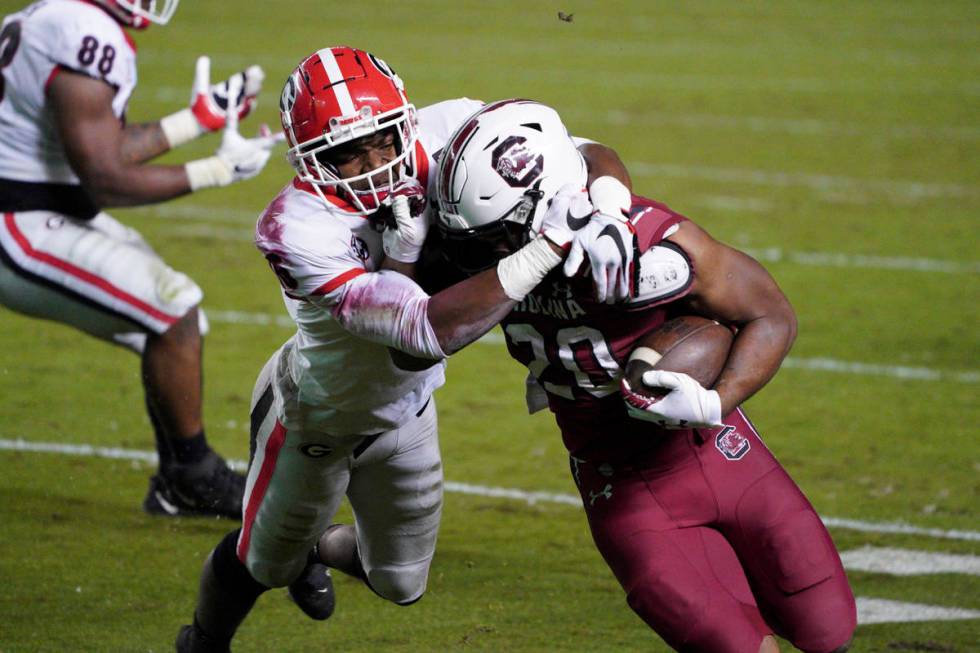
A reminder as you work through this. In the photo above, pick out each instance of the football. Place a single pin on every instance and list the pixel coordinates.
(690, 344)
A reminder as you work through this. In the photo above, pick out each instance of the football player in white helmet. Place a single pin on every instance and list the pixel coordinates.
(67, 70)
(345, 407)
(713, 542)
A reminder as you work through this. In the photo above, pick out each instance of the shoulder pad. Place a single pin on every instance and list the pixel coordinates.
(665, 273)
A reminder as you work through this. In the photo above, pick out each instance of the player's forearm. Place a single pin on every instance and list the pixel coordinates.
(465, 311)
(135, 185)
(603, 161)
(757, 352)
(143, 142)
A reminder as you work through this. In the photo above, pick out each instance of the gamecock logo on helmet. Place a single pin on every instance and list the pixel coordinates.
(732, 444)
(516, 163)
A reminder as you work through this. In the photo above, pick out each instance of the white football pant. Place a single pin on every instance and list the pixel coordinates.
(98, 276)
(297, 479)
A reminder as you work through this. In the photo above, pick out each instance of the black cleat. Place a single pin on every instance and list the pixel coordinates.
(208, 488)
(313, 590)
(190, 639)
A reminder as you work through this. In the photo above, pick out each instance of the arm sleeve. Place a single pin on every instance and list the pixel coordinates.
(389, 308)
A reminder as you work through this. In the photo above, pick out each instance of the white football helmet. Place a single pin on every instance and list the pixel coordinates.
(497, 174)
(140, 13)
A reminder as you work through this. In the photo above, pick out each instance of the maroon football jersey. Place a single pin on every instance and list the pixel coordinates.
(577, 348)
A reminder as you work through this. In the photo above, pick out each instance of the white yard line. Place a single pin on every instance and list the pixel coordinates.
(908, 562)
(883, 611)
(869, 261)
(472, 489)
(870, 610)
(811, 364)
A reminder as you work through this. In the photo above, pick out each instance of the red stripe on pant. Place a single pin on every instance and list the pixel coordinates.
(83, 275)
(272, 447)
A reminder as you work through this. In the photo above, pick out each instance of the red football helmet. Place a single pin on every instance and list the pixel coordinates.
(140, 13)
(337, 95)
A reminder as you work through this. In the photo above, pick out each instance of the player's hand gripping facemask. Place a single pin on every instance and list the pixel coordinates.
(609, 242)
(405, 221)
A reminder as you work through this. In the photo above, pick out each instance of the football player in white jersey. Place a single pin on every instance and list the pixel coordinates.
(67, 70)
(345, 407)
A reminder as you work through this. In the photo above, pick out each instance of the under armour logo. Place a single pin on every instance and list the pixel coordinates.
(604, 492)
(561, 290)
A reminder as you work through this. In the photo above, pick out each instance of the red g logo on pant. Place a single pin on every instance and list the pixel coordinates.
(732, 444)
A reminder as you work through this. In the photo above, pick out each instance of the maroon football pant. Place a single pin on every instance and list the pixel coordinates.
(715, 544)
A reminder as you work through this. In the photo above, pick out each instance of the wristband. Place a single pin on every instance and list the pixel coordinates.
(610, 197)
(180, 127)
(207, 173)
(647, 355)
(520, 272)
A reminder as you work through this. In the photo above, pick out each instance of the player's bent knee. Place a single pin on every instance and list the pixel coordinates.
(278, 575)
(401, 587)
(672, 608)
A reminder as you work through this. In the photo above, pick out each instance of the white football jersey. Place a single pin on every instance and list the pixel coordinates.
(330, 379)
(47, 37)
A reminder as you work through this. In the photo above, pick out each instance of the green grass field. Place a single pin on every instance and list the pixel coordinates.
(836, 141)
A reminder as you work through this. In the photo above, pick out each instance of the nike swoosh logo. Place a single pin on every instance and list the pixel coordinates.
(323, 591)
(613, 233)
(576, 223)
(168, 507)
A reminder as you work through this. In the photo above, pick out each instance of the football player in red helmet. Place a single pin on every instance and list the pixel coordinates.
(351, 130)
(69, 69)
(345, 407)
(716, 547)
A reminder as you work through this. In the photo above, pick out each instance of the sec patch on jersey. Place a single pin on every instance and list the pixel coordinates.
(690, 344)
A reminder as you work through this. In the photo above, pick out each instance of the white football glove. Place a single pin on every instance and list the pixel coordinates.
(209, 103)
(238, 158)
(686, 405)
(567, 213)
(408, 225)
(609, 241)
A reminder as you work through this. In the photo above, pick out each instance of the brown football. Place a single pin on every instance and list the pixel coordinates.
(690, 344)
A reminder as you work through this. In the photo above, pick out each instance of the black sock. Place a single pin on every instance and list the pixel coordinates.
(188, 451)
(165, 451)
(227, 591)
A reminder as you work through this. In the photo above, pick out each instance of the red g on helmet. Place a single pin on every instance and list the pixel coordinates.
(337, 95)
(140, 13)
